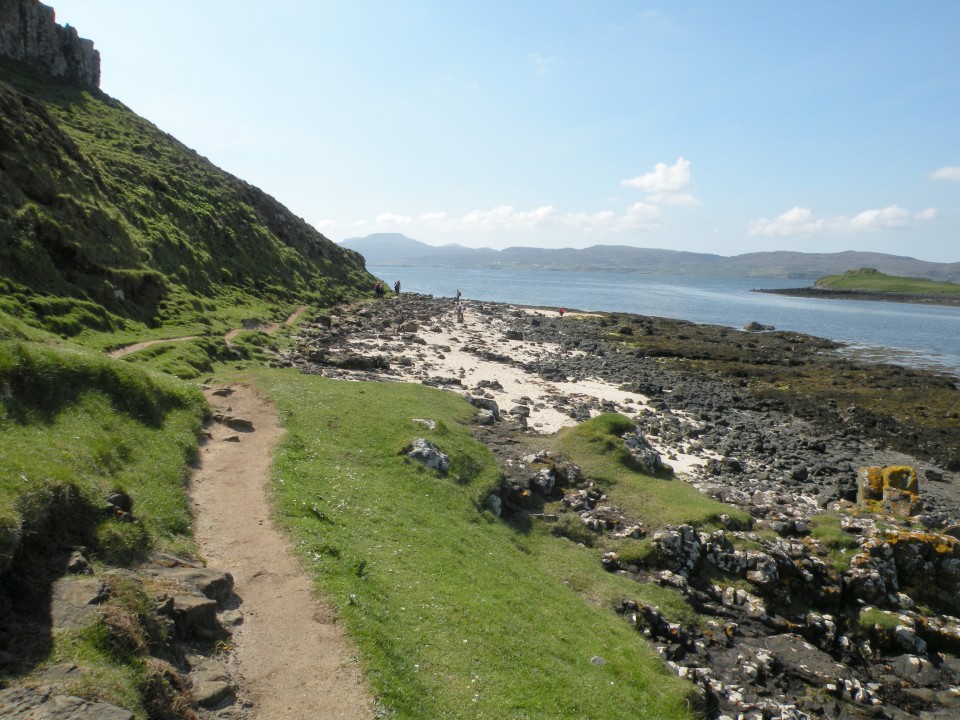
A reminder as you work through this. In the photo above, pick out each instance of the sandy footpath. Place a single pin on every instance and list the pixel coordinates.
(295, 661)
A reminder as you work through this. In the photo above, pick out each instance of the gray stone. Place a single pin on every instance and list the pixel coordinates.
(484, 404)
(210, 682)
(918, 671)
(520, 411)
(43, 704)
(238, 424)
(195, 616)
(484, 417)
(425, 452)
(802, 659)
(74, 600)
(209, 582)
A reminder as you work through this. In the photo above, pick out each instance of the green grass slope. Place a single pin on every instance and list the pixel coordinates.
(457, 613)
(107, 223)
(77, 426)
(873, 281)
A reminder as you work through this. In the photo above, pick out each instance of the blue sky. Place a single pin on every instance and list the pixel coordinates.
(723, 127)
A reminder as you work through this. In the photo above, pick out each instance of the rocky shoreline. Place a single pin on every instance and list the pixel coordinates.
(765, 422)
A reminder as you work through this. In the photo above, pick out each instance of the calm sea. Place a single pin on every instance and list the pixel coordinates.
(909, 334)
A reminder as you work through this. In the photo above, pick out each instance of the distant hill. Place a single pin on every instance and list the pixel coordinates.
(398, 250)
(106, 218)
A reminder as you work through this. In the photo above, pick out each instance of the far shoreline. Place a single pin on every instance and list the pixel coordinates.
(817, 293)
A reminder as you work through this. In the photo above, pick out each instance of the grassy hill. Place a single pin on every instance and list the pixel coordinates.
(869, 280)
(109, 224)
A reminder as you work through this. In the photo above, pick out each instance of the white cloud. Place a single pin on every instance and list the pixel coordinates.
(433, 217)
(663, 178)
(950, 173)
(542, 64)
(798, 221)
(676, 199)
(666, 184)
(393, 219)
(506, 217)
(892, 216)
(801, 221)
(325, 224)
(639, 216)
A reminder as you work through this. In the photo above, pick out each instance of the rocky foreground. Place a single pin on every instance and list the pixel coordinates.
(864, 623)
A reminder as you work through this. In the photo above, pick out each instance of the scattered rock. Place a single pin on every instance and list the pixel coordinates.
(426, 453)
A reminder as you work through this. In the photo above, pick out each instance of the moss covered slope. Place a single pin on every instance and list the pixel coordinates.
(108, 220)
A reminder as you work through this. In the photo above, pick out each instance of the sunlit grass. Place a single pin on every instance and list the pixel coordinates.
(596, 447)
(457, 614)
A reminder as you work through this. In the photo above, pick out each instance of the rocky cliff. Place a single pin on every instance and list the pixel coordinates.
(29, 33)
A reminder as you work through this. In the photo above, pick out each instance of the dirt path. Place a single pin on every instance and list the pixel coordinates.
(294, 660)
(269, 328)
(127, 349)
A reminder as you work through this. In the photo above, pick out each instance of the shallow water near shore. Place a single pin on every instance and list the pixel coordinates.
(908, 334)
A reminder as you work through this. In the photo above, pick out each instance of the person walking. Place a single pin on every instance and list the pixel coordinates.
(396, 287)
(460, 309)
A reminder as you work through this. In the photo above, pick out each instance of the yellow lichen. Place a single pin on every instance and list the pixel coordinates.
(902, 477)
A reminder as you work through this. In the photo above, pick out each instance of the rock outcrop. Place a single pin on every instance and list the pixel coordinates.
(29, 33)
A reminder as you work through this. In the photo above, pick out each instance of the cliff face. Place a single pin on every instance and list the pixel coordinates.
(29, 33)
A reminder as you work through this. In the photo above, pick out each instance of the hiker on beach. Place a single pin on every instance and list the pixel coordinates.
(396, 287)
(458, 296)
(378, 290)
(460, 309)
(562, 311)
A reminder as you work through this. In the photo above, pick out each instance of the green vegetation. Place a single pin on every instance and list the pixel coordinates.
(108, 654)
(873, 620)
(405, 553)
(870, 280)
(111, 226)
(840, 546)
(595, 446)
(76, 427)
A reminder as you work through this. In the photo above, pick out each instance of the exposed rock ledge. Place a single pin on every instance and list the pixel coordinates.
(29, 33)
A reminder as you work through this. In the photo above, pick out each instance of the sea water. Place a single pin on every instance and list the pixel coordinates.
(909, 334)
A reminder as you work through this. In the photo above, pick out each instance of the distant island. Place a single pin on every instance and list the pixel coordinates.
(396, 250)
(871, 284)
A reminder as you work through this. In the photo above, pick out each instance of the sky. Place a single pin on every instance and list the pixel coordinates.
(720, 127)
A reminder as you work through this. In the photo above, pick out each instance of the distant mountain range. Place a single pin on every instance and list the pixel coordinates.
(396, 250)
